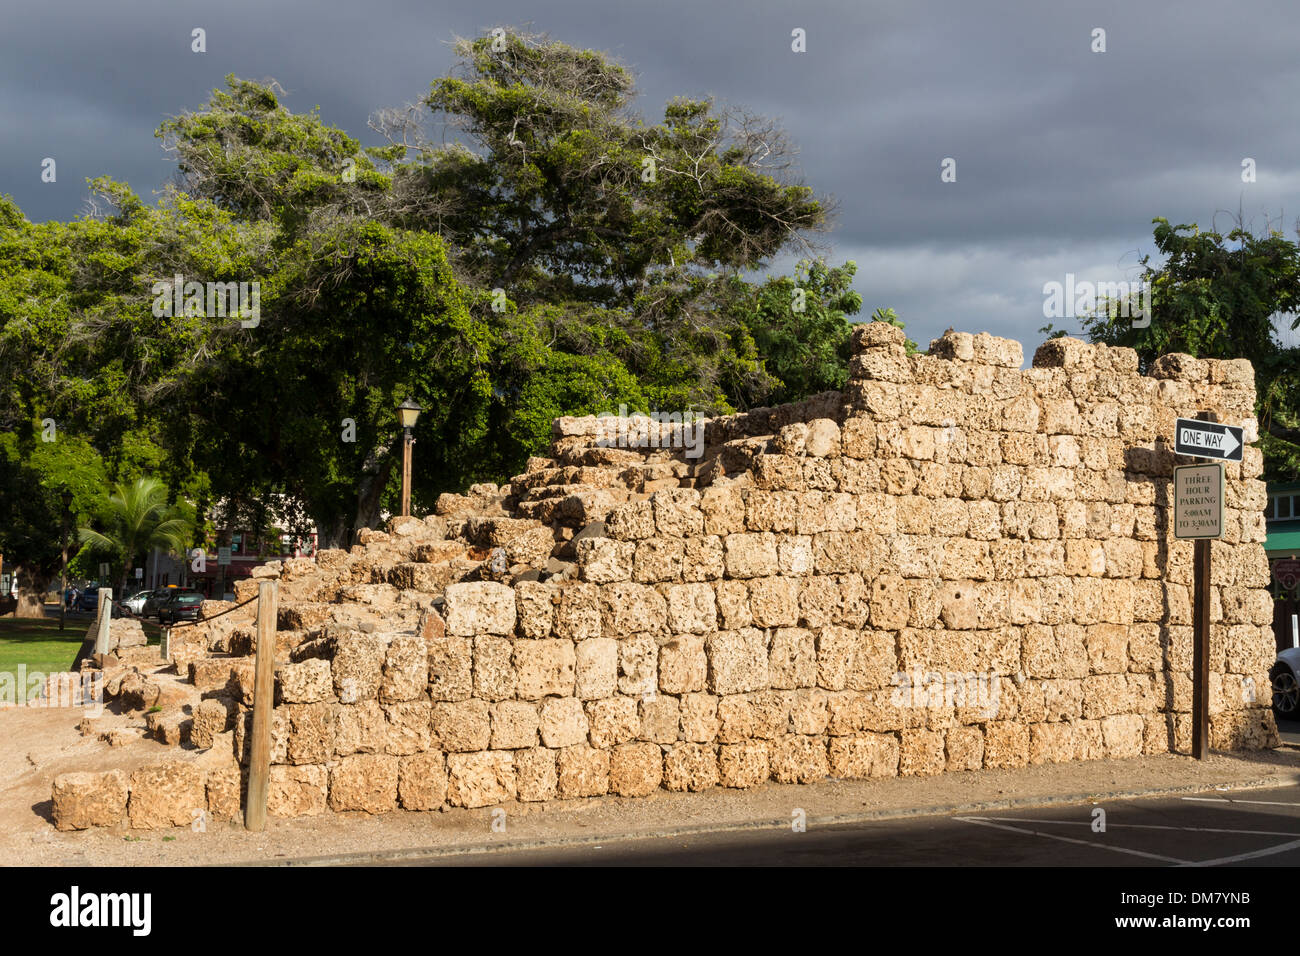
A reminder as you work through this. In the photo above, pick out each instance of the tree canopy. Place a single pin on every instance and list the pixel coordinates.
(1223, 296)
(547, 252)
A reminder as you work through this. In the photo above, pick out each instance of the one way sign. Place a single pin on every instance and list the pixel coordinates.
(1208, 440)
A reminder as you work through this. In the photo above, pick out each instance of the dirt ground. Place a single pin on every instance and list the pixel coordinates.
(38, 744)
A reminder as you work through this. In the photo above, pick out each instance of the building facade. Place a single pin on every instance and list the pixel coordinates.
(1282, 522)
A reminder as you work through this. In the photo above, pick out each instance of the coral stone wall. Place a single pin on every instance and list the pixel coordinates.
(954, 564)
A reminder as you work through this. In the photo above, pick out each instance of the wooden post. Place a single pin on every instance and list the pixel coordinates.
(406, 471)
(105, 615)
(259, 764)
(1201, 650)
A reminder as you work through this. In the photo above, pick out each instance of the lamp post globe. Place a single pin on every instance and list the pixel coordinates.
(407, 413)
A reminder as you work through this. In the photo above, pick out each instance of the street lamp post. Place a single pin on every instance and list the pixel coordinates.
(63, 568)
(407, 413)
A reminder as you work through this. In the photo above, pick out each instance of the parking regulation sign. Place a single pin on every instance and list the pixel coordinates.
(1198, 501)
(1208, 440)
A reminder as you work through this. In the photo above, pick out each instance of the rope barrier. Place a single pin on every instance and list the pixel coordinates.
(173, 627)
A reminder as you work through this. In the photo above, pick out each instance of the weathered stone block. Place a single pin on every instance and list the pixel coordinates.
(578, 616)
(683, 665)
(658, 559)
(406, 669)
(738, 661)
(792, 660)
(408, 727)
(481, 779)
(422, 781)
(303, 683)
(162, 795)
(358, 666)
(83, 800)
(798, 759)
(857, 758)
(535, 605)
(773, 602)
(514, 724)
(638, 665)
(311, 733)
(461, 726)
(699, 717)
(743, 765)
(921, 752)
(544, 668)
(1006, 744)
(212, 717)
(535, 771)
(692, 608)
(583, 771)
(635, 769)
(690, 767)
(677, 512)
(563, 722)
(628, 607)
(604, 560)
(297, 791)
(494, 674)
(612, 721)
(480, 607)
(660, 719)
(751, 555)
(451, 661)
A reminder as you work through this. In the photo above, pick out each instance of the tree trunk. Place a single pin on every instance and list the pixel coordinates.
(332, 535)
(374, 478)
(32, 586)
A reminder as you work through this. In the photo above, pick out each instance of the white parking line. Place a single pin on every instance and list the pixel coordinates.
(986, 822)
(1254, 854)
(1147, 826)
(1258, 803)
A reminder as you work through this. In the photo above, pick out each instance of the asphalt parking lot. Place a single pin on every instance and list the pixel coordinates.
(1209, 829)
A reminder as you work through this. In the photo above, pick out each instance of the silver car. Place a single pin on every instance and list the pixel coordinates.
(1286, 683)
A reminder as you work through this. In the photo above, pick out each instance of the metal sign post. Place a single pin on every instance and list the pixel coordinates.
(223, 562)
(1198, 515)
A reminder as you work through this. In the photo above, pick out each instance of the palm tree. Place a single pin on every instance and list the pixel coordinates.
(139, 519)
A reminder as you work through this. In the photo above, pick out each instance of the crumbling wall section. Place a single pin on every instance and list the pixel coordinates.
(955, 564)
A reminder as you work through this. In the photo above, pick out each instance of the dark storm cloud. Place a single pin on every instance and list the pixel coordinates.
(1063, 155)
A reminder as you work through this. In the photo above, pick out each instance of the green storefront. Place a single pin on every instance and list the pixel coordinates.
(1282, 522)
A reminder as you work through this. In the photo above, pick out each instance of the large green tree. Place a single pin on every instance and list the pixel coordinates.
(1222, 296)
(556, 254)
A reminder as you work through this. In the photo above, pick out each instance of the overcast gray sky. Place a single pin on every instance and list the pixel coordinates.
(1063, 155)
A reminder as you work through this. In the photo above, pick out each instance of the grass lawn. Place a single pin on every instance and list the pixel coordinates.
(39, 645)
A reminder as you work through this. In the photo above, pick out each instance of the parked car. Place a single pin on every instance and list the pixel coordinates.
(1286, 683)
(180, 605)
(156, 598)
(135, 603)
(88, 600)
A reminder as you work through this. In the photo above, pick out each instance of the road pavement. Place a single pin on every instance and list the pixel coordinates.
(1209, 829)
